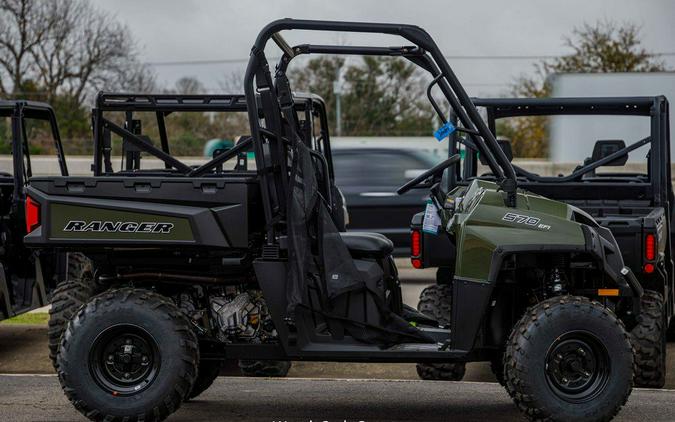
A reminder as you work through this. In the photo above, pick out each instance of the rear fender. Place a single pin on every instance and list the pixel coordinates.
(91, 222)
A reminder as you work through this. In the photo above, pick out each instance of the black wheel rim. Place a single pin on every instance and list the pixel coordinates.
(124, 360)
(577, 367)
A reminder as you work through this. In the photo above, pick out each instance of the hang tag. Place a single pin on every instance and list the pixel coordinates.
(444, 131)
(431, 219)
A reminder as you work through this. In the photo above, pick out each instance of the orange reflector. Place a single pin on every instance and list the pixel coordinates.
(648, 268)
(608, 292)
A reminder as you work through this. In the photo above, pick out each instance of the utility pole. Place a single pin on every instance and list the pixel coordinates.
(337, 90)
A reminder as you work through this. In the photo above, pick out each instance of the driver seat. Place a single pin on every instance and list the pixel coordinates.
(367, 244)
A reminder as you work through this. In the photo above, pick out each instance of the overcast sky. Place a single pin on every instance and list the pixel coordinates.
(173, 30)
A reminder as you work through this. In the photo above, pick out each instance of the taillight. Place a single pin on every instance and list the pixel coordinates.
(650, 253)
(416, 248)
(650, 247)
(32, 214)
(415, 243)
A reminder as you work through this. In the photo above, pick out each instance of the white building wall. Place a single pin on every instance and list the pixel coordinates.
(572, 137)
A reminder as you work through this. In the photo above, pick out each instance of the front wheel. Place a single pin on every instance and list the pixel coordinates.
(129, 355)
(569, 358)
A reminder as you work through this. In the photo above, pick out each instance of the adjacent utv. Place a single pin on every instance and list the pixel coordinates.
(27, 278)
(201, 264)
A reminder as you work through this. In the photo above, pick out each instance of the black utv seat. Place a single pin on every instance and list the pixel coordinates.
(367, 244)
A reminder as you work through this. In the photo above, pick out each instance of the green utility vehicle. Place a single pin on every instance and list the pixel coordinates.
(211, 262)
(153, 119)
(624, 184)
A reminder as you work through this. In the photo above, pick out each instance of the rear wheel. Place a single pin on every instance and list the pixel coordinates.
(79, 266)
(67, 298)
(569, 358)
(649, 340)
(436, 302)
(130, 355)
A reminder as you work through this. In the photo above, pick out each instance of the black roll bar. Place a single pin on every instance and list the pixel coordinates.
(19, 111)
(141, 144)
(220, 159)
(434, 62)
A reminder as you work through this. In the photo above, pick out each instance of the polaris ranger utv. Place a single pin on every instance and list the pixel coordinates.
(635, 204)
(193, 276)
(27, 278)
(150, 118)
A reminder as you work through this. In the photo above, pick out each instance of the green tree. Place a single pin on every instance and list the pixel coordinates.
(380, 96)
(317, 77)
(385, 97)
(604, 47)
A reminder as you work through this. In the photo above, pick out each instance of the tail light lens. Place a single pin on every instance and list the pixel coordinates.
(32, 214)
(415, 243)
(650, 247)
(416, 248)
(650, 253)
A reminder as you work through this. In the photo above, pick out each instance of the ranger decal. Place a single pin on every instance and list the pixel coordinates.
(117, 227)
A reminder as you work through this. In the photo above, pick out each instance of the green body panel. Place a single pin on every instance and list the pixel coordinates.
(479, 226)
(123, 225)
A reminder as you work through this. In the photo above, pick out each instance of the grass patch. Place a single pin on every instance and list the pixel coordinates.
(29, 318)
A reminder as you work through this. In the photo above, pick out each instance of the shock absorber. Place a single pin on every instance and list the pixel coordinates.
(558, 275)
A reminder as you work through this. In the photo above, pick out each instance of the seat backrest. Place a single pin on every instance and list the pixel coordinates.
(505, 145)
(604, 148)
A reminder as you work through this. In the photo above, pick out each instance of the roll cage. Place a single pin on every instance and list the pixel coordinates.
(19, 111)
(165, 104)
(657, 187)
(279, 128)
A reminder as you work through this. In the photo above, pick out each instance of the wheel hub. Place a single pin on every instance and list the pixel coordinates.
(124, 359)
(577, 367)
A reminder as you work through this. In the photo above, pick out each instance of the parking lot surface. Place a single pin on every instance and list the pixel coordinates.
(39, 398)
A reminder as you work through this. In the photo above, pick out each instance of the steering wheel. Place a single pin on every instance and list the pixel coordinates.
(435, 170)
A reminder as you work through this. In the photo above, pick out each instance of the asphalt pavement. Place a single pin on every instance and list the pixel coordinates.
(314, 391)
(39, 398)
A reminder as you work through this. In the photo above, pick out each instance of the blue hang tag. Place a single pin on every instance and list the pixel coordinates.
(444, 131)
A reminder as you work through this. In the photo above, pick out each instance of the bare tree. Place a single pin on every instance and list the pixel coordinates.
(232, 83)
(188, 85)
(67, 47)
(86, 50)
(23, 25)
(134, 76)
